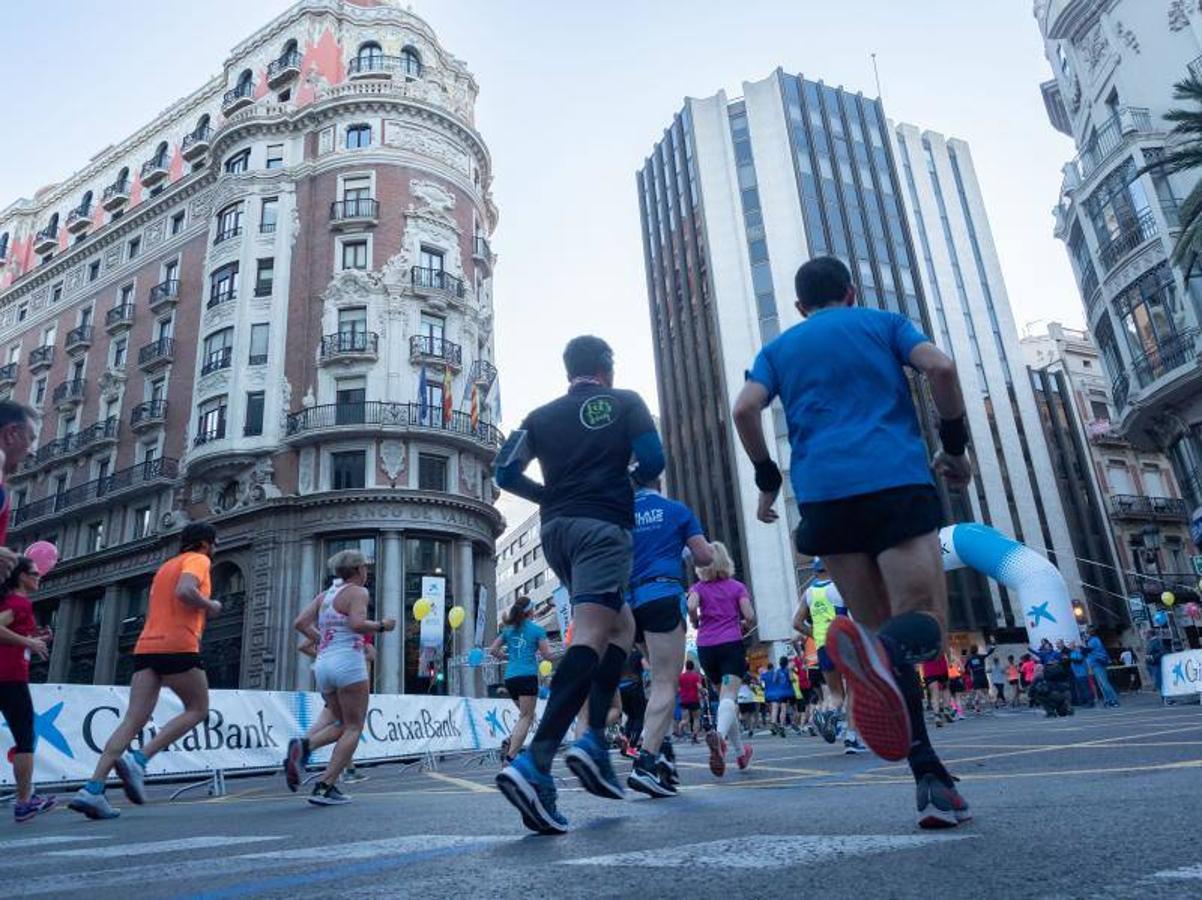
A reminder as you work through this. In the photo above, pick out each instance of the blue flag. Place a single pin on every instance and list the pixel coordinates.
(423, 396)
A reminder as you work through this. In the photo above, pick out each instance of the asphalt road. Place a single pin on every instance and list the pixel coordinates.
(1103, 804)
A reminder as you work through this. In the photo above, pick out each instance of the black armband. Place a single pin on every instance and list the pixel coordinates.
(767, 476)
(953, 434)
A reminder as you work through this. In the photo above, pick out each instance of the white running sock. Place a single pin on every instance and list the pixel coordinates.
(728, 712)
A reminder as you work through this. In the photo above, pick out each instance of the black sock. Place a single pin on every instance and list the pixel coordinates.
(923, 759)
(605, 682)
(569, 687)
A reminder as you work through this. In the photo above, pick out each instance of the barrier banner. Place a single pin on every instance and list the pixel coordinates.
(1181, 673)
(248, 729)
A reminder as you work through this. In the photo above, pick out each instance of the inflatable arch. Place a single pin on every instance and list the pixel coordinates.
(1037, 583)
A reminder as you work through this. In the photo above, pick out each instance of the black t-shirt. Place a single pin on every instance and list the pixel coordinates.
(584, 442)
(976, 666)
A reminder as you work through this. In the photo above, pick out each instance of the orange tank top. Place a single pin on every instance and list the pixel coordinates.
(171, 625)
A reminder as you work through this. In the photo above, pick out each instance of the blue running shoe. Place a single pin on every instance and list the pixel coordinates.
(589, 761)
(534, 795)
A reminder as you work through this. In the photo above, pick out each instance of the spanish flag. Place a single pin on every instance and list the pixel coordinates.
(475, 407)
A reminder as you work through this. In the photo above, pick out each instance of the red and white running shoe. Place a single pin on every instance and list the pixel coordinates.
(744, 758)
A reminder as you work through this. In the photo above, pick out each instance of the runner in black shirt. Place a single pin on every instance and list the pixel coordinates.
(583, 442)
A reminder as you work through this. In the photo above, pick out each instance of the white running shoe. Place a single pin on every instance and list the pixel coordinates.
(94, 806)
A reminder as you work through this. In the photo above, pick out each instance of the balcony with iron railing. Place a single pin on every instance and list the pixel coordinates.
(46, 239)
(218, 296)
(196, 143)
(376, 416)
(79, 219)
(361, 211)
(208, 432)
(78, 339)
(1127, 123)
(1132, 234)
(378, 65)
(163, 295)
(70, 393)
(217, 360)
(424, 348)
(427, 280)
(241, 96)
(115, 195)
(93, 437)
(1168, 356)
(349, 346)
(156, 354)
(119, 318)
(227, 234)
(283, 69)
(154, 171)
(147, 415)
(41, 358)
(154, 472)
(484, 373)
(1160, 509)
(1120, 390)
(9, 374)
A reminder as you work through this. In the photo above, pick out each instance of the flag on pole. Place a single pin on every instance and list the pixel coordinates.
(494, 399)
(475, 408)
(448, 396)
(423, 396)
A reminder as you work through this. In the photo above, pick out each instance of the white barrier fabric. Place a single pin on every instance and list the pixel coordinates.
(1181, 673)
(248, 729)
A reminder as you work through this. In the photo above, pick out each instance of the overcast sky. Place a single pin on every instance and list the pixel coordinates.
(572, 97)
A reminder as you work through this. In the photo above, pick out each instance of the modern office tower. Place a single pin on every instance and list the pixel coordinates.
(269, 308)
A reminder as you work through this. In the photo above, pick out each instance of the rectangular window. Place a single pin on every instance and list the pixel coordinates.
(39, 392)
(348, 470)
(127, 295)
(210, 425)
(350, 401)
(431, 472)
(102, 468)
(158, 390)
(133, 248)
(229, 222)
(431, 259)
(357, 188)
(223, 285)
(141, 523)
(177, 223)
(239, 162)
(60, 485)
(275, 156)
(218, 351)
(259, 334)
(22, 312)
(264, 277)
(150, 451)
(56, 293)
(171, 270)
(254, 413)
(117, 360)
(94, 537)
(354, 255)
(267, 215)
(93, 270)
(85, 317)
(14, 353)
(352, 320)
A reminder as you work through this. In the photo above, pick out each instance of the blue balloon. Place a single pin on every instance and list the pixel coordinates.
(544, 692)
(475, 657)
(1161, 619)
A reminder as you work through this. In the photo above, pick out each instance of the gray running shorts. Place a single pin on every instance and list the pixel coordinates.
(590, 557)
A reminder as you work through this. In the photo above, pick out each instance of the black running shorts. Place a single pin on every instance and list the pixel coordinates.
(657, 616)
(718, 660)
(522, 686)
(16, 705)
(868, 523)
(168, 663)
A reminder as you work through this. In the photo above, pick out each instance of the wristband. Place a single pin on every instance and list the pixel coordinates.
(953, 434)
(767, 476)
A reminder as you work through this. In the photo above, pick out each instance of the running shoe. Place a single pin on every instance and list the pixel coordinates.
(588, 759)
(666, 761)
(534, 795)
(879, 710)
(717, 748)
(94, 806)
(293, 763)
(133, 777)
(34, 806)
(353, 776)
(853, 746)
(646, 779)
(940, 805)
(328, 795)
(744, 758)
(827, 725)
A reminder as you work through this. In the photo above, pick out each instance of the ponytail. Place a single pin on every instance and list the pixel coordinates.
(517, 613)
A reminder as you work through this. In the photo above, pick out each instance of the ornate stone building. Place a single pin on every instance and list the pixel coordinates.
(270, 308)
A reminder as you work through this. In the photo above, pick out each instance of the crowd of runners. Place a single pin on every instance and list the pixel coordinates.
(638, 566)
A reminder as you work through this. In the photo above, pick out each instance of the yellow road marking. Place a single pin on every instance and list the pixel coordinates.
(756, 767)
(472, 786)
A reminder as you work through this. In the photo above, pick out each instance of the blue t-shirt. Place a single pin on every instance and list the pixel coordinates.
(662, 527)
(840, 376)
(522, 644)
(1098, 655)
(777, 685)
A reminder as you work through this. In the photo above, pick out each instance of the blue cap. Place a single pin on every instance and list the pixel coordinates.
(817, 565)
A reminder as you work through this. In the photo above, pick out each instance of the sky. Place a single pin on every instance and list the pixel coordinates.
(572, 97)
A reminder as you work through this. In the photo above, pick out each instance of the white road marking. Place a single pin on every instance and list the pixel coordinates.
(149, 848)
(51, 839)
(1188, 873)
(765, 851)
(409, 843)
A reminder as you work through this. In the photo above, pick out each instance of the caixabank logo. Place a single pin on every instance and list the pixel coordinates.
(218, 731)
(1187, 671)
(45, 728)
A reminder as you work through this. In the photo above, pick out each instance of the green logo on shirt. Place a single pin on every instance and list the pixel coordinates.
(597, 412)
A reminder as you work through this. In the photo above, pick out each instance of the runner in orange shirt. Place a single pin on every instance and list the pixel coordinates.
(167, 655)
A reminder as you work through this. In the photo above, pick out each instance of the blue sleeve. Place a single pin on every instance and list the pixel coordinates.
(763, 373)
(904, 337)
(690, 527)
(649, 454)
(540, 633)
(512, 459)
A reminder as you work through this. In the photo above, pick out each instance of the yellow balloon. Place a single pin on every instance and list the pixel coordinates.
(1168, 598)
(545, 667)
(456, 616)
(421, 608)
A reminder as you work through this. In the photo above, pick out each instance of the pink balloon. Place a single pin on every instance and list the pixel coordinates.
(44, 555)
(1194, 611)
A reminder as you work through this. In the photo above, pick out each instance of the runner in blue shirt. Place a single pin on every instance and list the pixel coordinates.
(664, 532)
(524, 641)
(867, 501)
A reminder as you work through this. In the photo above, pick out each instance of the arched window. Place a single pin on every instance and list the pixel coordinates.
(85, 205)
(123, 175)
(202, 123)
(289, 48)
(160, 153)
(53, 226)
(411, 62)
(3, 245)
(358, 136)
(370, 56)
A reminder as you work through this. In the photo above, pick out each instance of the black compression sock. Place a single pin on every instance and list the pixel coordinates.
(923, 759)
(605, 682)
(569, 687)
